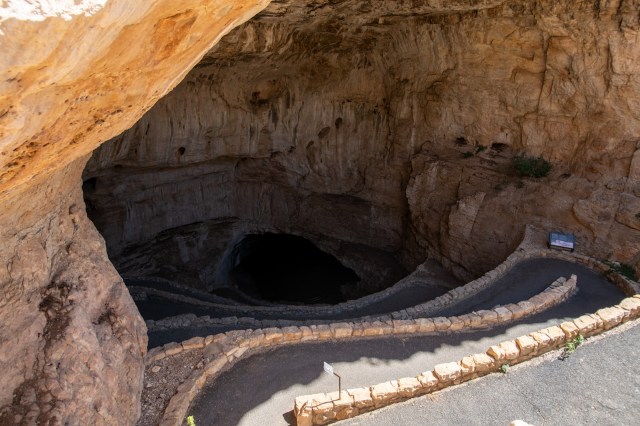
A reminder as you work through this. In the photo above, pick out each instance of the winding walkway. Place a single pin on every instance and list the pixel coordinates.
(523, 281)
(260, 389)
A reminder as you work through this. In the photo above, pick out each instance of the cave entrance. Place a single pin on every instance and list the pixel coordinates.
(291, 269)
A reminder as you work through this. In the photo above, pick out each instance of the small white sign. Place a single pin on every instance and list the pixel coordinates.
(328, 369)
(560, 243)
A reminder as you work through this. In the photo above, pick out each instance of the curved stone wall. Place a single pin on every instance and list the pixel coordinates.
(321, 409)
(527, 249)
(226, 348)
(223, 350)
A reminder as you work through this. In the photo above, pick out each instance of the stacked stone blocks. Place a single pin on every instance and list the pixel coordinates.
(225, 349)
(452, 373)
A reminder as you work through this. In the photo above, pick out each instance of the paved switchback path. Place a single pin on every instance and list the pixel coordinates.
(525, 280)
(260, 389)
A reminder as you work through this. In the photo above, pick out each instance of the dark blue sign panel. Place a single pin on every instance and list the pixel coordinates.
(563, 241)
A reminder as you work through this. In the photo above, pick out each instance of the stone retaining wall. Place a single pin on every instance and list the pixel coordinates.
(430, 308)
(423, 310)
(325, 408)
(417, 276)
(222, 350)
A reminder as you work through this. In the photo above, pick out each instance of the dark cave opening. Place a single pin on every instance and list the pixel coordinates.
(291, 269)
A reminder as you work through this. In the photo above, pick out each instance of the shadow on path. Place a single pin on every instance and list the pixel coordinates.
(260, 389)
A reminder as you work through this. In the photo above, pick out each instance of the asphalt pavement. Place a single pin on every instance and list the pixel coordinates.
(599, 384)
(260, 390)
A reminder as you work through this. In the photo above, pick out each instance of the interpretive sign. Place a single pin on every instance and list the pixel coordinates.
(562, 241)
(328, 368)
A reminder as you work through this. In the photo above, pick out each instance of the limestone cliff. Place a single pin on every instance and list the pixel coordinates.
(388, 125)
(73, 74)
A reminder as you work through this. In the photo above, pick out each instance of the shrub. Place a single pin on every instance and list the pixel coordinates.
(536, 167)
(468, 154)
(623, 269)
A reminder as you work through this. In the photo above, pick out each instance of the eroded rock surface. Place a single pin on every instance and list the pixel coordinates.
(388, 125)
(71, 340)
(73, 74)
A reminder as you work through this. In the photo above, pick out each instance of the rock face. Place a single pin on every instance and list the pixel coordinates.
(344, 121)
(71, 340)
(389, 126)
(74, 74)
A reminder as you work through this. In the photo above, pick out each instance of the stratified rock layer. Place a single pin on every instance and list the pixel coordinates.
(391, 126)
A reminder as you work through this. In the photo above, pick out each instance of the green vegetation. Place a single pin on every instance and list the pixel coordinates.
(571, 346)
(480, 148)
(623, 269)
(468, 154)
(191, 421)
(504, 368)
(536, 167)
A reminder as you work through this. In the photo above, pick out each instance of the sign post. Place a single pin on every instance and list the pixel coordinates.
(329, 370)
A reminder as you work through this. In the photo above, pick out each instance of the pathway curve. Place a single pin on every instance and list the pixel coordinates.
(260, 389)
(523, 281)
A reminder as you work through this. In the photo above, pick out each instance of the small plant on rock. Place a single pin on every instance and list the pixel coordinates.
(623, 269)
(191, 421)
(480, 148)
(504, 368)
(571, 346)
(468, 154)
(536, 167)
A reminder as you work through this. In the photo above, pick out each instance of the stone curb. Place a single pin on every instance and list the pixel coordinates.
(406, 282)
(321, 409)
(455, 295)
(227, 348)
(430, 308)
